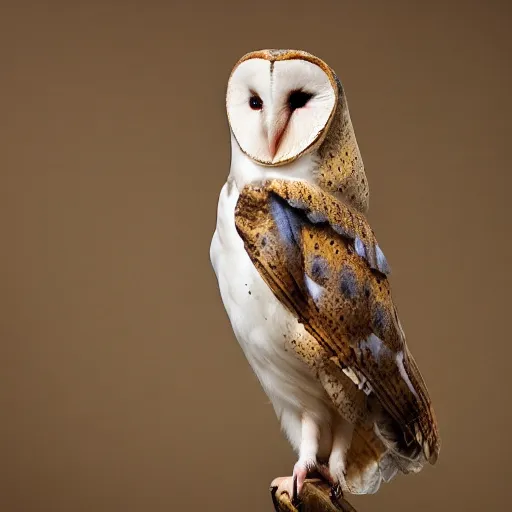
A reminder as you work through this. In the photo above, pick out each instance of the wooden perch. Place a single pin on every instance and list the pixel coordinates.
(315, 497)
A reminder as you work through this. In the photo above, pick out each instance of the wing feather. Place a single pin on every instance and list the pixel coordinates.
(322, 261)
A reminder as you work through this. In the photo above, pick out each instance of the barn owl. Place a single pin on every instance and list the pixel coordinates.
(305, 282)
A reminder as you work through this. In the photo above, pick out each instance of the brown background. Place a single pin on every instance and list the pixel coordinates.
(122, 386)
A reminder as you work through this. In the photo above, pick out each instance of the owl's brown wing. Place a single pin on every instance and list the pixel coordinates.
(322, 261)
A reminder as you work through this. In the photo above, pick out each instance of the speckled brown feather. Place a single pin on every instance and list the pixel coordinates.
(340, 167)
(293, 229)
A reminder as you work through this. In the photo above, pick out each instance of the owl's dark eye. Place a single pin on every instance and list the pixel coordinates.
(298, 99)
(255, 102)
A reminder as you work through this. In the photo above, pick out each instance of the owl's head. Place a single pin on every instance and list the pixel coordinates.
(280, 104)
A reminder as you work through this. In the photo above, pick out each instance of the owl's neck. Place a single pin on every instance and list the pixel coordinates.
(244, 170)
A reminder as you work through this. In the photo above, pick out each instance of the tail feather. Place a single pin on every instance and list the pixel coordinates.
(378, 454)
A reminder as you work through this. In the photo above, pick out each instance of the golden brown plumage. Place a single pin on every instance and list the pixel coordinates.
(295, 232)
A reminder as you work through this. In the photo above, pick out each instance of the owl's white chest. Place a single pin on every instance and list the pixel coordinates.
(260, 322)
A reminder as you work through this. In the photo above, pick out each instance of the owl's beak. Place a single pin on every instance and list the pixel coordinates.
(276, 126)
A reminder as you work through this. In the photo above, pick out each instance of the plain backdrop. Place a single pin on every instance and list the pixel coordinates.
(122, 387)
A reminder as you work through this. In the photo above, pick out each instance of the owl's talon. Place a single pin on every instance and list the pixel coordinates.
(295, 492)
(336, 492)
(293, 485)
(300, 472)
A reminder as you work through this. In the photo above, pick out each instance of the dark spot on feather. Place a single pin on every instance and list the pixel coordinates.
(329, 183)
(316, 246)
(319, 270)
(348, 282)
(379, 319)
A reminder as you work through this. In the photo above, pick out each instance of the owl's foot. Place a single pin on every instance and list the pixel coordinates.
(342, 436)
(300, 472)
(292, 485)
(336, 480)
(338, 483)
(338, 489)
(338, 477)
(317, 495)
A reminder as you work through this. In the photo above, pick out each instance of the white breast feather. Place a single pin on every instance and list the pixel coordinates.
(260, 322)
